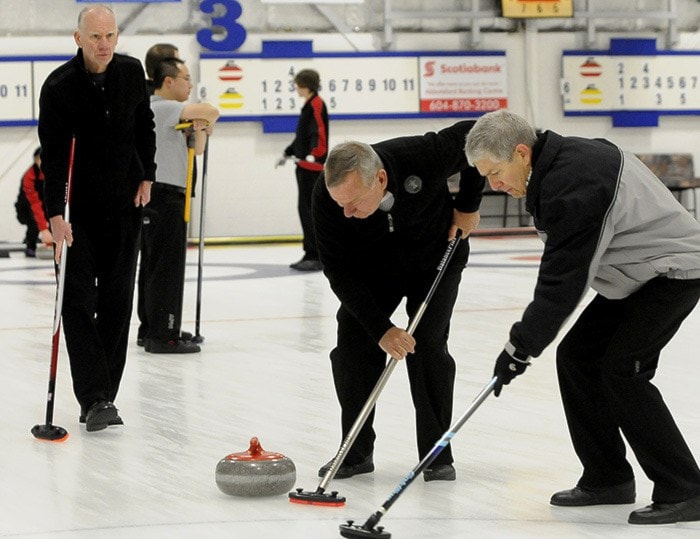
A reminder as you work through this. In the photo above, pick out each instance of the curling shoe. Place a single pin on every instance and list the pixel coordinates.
(116, 422)
(582, 496)
(667, 513)
(184, 336)
(348, 470)
(440, 472)
(307, 264)
(173, 346)
(99, 416)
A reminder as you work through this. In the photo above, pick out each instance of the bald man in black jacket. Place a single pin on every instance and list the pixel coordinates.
(100, 98)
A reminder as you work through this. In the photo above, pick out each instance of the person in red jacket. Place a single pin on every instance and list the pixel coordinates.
(309, 149)
(30, 207)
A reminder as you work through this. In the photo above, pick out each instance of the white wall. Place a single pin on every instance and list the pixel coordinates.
(247, 196)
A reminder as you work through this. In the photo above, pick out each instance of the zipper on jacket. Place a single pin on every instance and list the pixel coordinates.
(391, 222)
(104, 100)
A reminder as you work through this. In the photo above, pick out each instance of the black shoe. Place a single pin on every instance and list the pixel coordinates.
(171, 347)
(440, 472)
(184, 336)
(30, 253)
(99, 416)
(307, 264)
(116, 422)
(667, 513)
(581, 496)
(348, 470)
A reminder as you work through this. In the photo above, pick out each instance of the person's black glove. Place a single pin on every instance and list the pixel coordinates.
(510, 363)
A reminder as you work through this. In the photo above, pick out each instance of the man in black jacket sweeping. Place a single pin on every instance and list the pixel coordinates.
(100, 98)
(383, 216)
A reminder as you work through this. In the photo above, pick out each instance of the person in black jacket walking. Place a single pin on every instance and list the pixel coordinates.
(309, 149)
(383, 215)
(609, 224)
(100, 98)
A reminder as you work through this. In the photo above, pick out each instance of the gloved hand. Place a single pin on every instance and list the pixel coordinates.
(282, 160)
(509, 364)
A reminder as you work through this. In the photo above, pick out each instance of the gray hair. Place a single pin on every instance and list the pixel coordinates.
(495, 136)
(352, 156)
(87, 9)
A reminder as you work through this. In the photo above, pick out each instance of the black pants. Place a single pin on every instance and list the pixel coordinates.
(306, 179)
(358, 361)
(26, 218)
(605, 364)
(97, 303)
(31, 238)
(162, 271)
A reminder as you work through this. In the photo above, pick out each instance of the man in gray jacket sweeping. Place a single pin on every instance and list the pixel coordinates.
(609, 224)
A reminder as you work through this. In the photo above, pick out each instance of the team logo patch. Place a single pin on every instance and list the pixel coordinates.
(413, 184)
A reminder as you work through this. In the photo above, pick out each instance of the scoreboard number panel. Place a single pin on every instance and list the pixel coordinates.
(646, 83)
(633, 82)
(16, 91)
(256, 86)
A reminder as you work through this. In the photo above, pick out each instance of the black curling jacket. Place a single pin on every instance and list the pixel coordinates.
(115, 140)
(311, 137)
(358, 254)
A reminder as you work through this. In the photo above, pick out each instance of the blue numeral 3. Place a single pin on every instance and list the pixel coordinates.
(234, 33)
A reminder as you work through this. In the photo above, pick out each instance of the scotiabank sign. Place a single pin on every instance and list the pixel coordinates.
(463, 84)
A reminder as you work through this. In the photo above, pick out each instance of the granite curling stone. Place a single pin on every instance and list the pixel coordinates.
(255, 472)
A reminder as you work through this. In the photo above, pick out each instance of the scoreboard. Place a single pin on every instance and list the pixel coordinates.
(260, 87)
(633, 82)
(356, 85)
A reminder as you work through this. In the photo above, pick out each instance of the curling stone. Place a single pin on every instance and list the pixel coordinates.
(255, 472)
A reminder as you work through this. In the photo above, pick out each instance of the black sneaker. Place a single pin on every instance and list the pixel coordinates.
(140, 341)
(99, 415)
(440, 472)
(348, 470)
(171, 347)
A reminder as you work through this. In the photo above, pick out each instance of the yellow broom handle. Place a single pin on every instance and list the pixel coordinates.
(187, 128)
